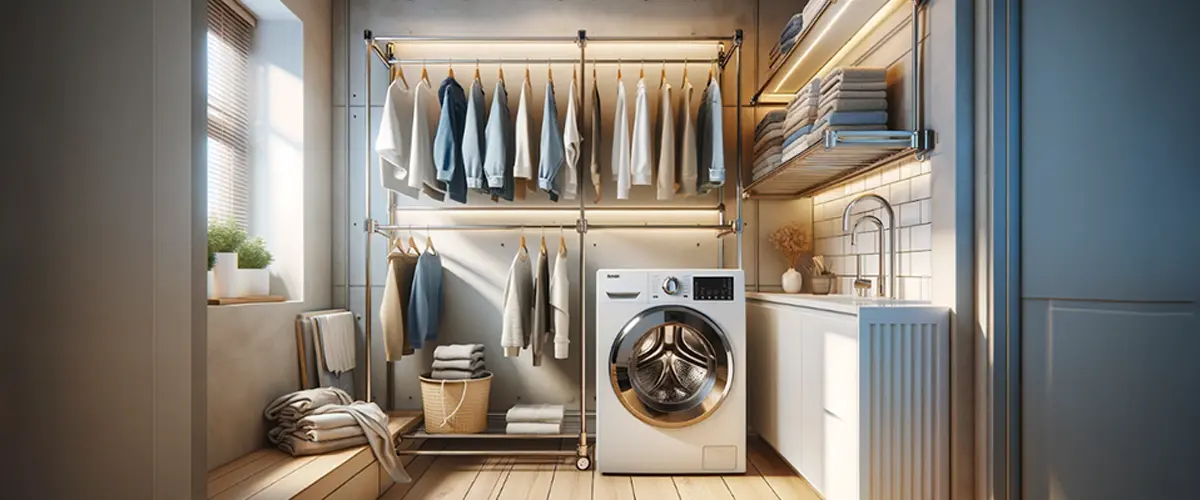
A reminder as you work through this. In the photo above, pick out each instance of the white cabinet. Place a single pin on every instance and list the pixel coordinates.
(835, 384)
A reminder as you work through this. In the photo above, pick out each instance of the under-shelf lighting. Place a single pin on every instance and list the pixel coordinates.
(813, 44)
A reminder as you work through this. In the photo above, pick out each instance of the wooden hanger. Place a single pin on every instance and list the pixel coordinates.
(593, 76)
(500, 69)
(451, 71)
(618, 69)
(683, 81)
(549, 74)
(642, 69)
(424, 72)
(562, 241)
(477, 69)
(523, 248)
(429, 242)
(542, 247)
(397, 70)
(412, 245)
(527, 69)
(664, 74)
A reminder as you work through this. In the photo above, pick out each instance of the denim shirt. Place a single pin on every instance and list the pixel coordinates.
(447, 144)
(711, 139)
(473, 146)
(552, 153)
(498, 161)
(426, 300)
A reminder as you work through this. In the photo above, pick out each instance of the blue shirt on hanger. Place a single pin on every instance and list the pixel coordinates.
(426, 300)
(498, 160)
(711, 138)
(552, 152)
(447, 144)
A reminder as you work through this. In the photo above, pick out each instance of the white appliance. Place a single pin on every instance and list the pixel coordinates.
(671, 374)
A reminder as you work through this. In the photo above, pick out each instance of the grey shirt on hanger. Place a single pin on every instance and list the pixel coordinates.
(425, 303)
(540, 331)
(595, 140)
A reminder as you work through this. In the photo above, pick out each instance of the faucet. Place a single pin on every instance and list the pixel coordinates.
(862, 285)
(890, 286)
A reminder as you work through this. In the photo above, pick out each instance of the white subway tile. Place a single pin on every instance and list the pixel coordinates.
(910, 214)
(857, 186)
(890, 174)
(926, 211)
(911, 288)
(870, 265)
(909, 169)
(926, 166)
(900, 192)
(921, 264)
(824, 196)
(920, 186)
(922, 238)
(871, 181)
(905, 239)
(905, 263)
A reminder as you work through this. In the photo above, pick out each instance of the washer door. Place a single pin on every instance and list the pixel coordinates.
(671, 366)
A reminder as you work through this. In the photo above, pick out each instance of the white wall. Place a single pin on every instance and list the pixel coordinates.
(104, 203)
(251, 348)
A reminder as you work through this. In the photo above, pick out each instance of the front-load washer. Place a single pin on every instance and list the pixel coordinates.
(671, 374)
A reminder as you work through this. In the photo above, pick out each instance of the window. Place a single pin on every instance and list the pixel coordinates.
(230, 37)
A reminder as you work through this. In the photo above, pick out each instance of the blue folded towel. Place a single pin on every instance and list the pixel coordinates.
(793, 28)
(856, 118)
(801, 132)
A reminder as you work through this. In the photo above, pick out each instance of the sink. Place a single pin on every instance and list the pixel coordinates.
(836, 303)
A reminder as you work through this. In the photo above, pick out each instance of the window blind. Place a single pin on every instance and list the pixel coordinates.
(230, 38)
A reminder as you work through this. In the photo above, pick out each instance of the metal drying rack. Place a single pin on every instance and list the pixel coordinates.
(385, 54)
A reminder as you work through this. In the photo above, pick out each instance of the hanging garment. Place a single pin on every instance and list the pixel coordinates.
(422, 172)
(474, 145)
(594, 160)
(392, 143)
(447, 144)
(571, 143)
(665, 137)
(336, 335)
(518, 306)
(641, 158)
(425, 304)
(396, 291)
(498, 162)
(541, 324)
(560, 304)
(712, 142)
(551, 157)
(687, 160)
(523, 162)
(620, 145)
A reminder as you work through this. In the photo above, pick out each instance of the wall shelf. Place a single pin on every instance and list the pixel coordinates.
(841, 155)
(838, 25)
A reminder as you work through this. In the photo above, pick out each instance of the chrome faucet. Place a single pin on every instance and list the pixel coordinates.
(888, 288)
(862, 285)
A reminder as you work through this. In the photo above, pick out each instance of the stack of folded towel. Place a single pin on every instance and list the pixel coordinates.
(534, 419)
(316, 421)
(802, 115)
(853, 99)
(458, 362)
(768, 140)
(787, 38)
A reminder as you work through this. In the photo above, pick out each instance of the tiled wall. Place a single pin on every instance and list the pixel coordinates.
(907, 187)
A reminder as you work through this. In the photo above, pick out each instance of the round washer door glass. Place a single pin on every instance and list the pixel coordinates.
(671, 366)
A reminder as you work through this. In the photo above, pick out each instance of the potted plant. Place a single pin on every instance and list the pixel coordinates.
(822, 277)
(792, 240)
(253, 277)
(224, 238)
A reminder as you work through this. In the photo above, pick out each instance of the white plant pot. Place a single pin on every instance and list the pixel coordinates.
(211, 290)
(792, 281)
(225, 275)
(254, 282)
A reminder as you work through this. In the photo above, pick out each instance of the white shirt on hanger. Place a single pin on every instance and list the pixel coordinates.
(571, 147)
(642, 155)
(687, 156)
(523, 160)
(620, 144)
(422, 172)
(560, 305)
(666, 144)
(392, 143)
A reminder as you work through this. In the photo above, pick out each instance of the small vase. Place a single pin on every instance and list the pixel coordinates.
(225, 275)
(792, 281)
(253, 282)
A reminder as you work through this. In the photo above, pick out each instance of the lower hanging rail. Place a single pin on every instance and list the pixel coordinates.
(571, 429)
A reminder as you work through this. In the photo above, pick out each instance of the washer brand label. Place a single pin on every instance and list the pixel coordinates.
(612, 276)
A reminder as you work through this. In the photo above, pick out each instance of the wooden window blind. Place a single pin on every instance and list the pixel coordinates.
(230, 38)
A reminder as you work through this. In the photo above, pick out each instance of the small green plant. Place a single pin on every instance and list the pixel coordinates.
(253, 254)
(223, 236)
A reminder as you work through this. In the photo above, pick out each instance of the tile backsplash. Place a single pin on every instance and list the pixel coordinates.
(907, 187)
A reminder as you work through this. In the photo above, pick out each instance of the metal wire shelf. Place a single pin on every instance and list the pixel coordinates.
(841, 155)
(570, 429)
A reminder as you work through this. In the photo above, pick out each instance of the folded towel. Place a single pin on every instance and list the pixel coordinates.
(796, 135)
(856, 75)
(319, 435)
(773, 126)
(793, 27)
(762, 148)
(457, 351)
(374, 424)
(325, 422)
(535, 413)
(470, 365)
(857, 86)
(799, 102)
(775, 133)
(768, 161)
(533, 428)
(335, 333)
(302, 447)
(855, 118)
(854, 105)
(296, 405)
(798, 123)
(771, 117)
(852, 94)
(457, 374)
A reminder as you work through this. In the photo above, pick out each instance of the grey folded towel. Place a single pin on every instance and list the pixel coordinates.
(459, 364)
(374, 423)
(296, 405)
(301, 447)
(320, 435)
(322, 422)
(457, 351)
(854, 75)
(852, 94)
(855, 118)
(854, 105)
(856, 86)
(457, 374)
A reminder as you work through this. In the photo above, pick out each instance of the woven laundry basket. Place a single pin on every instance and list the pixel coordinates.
(456, 406)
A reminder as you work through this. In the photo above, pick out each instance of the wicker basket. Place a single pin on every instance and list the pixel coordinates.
(455, 406)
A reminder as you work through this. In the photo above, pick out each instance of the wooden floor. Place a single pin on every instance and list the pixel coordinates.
(495, 478)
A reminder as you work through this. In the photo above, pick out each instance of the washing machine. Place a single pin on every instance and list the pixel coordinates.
(671, 371)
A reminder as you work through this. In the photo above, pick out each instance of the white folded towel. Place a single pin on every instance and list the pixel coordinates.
(458, 351)
(852, 94)
(853, 105)
(533, 428)
(336, 335)
(535, 414)
(855, 86)
(322, 435)
(853, 75)
(296, 405)
(470, 365)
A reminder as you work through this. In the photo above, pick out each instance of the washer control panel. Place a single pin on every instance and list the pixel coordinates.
(671, 286)
(713, 287)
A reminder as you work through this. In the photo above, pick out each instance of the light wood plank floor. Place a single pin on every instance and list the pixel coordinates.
(494, 478)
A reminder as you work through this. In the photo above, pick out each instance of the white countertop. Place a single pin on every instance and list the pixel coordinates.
(837, 303)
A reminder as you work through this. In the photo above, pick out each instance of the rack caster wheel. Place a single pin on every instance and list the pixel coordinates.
(583, 463)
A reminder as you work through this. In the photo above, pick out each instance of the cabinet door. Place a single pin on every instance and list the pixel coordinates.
(791, 390)
(830, 367)
(762, 372)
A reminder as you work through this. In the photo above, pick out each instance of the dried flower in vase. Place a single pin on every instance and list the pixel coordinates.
(792, 241)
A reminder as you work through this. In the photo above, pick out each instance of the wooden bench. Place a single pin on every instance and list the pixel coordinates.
(350, 474)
